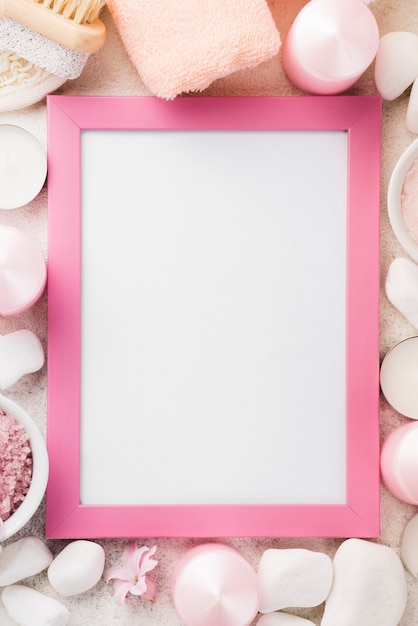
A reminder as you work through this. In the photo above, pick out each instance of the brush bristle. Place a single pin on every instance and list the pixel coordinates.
(79, 11)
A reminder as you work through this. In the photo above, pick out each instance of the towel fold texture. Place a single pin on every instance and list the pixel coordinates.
(180, 46)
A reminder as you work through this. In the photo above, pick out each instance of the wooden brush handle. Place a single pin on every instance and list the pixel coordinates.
(86, 38)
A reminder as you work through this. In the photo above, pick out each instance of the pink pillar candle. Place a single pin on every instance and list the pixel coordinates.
(22, 271)
(399, 462)
(329, 45)
(213, 585)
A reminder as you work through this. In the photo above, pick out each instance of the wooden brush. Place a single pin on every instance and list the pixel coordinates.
(72, 23)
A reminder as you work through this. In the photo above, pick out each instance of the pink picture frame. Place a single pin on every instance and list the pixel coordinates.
(68, 118)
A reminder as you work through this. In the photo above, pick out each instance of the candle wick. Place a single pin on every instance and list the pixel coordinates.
(215, 602)
(344, 43)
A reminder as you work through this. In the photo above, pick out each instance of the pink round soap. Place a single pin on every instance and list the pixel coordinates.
(213, 585)
(22, 271)
(399, 462)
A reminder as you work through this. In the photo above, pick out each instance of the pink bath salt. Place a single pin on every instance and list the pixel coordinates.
(15, 464)
(409, 201)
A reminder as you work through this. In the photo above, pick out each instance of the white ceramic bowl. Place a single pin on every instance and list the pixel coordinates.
(394, 199)
(40, 469)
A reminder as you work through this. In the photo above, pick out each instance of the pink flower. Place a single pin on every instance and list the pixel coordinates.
(132, 578)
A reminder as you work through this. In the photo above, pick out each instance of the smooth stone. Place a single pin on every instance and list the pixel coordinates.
(26, 557)
(369, 587)
(396, 63)
(21, 353)
(28, 607)
(412, 110)
(283, 619)
(77, 568)
(293, 577)
(401, 288)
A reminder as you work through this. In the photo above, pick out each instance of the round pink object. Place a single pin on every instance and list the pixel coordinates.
(399, 462)
(329, 45)
(22, 271)
(213, 585)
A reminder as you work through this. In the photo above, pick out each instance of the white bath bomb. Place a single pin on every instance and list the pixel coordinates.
(396, 63)
(283, 619)
(369, 587)
(23, 558)
(293, 578)
(28, 607)
(77, 568)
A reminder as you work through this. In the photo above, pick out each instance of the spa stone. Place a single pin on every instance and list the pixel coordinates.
(21, 353)
(293, 578)
(23, 558)
(369, 587)
(401, 287)
(283, 619)
(28, 607)
(77, 568)
(396, 65)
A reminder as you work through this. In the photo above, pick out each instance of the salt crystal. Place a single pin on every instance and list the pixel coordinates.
(15, 464)
(369, 587)
(26, 557)
(28, 607)
(293, 578)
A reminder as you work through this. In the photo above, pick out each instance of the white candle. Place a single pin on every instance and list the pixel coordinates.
(329, 45)
(22, 271)
(399, 377)
(23, 167)
(213, 585)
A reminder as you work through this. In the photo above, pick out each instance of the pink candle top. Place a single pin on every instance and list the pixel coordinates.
(22, 271)
(213, 585)
(329, 45)
(399, 462)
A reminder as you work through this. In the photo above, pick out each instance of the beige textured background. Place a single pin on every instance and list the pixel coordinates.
(110, 72)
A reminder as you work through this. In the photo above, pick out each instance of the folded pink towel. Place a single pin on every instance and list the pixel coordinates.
(183, 45)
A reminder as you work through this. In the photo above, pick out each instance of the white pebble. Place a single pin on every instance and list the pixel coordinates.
(21, 353)
(283, 619)
(396, 63)
(26, 557)
(412, 110)
(369, 587)
(293, 578)
(401, 287)
(28, 607)
(77, 568)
